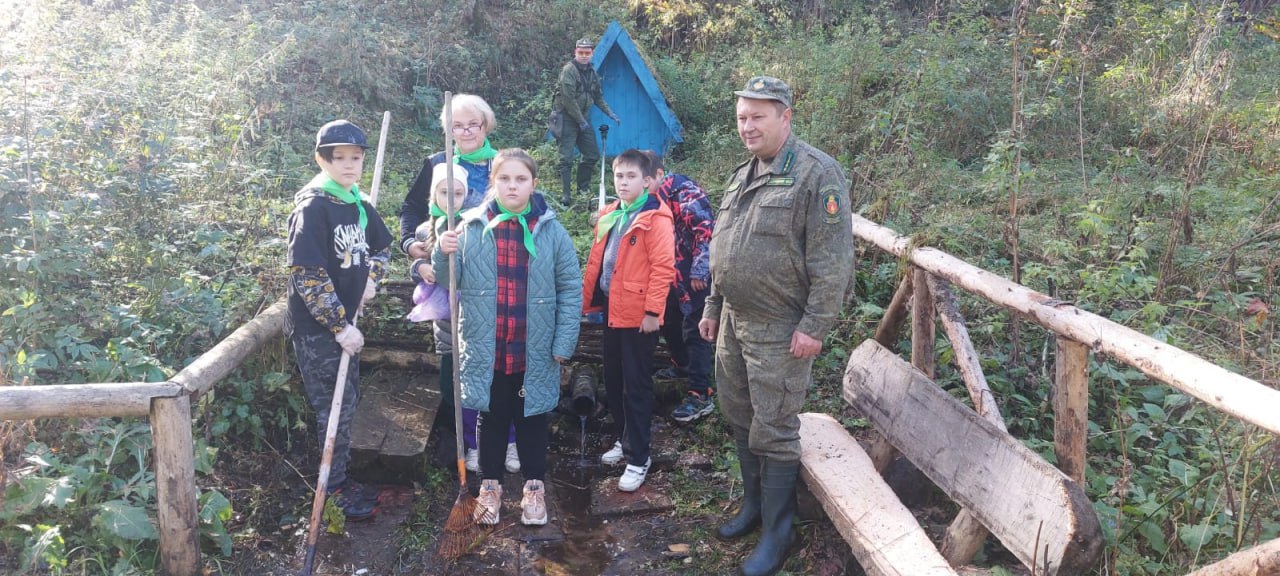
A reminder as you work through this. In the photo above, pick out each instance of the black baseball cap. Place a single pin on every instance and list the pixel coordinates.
(340, 133)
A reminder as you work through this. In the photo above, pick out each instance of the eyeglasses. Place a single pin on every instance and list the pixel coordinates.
(468, 129)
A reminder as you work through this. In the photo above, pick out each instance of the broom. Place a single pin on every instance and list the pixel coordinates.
(460, 530)
(339, 390)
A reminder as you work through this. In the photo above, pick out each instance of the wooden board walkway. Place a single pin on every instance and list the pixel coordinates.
(1042, 516)
(885, 537)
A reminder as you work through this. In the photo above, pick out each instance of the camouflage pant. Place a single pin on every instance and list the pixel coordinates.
(761, 385)
(585, 141)
(318, 358)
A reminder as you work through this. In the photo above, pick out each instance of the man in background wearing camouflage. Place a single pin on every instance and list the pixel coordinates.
(781, 263)
(577, 88)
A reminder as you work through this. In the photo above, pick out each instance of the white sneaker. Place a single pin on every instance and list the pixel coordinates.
(613, 456)
(533, 507)
(473, 460)
(513, 458)
(633, 477)
(489, 502)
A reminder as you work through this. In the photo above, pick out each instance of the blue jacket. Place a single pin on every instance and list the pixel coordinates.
(554, 305)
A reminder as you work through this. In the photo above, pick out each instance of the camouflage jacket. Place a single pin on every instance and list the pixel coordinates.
(576, 92)
(782, 249)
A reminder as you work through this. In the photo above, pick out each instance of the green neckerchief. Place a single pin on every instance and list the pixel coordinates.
(504, 215)
(436, 212)
(621, 214)
(352, 196)
(481, 154)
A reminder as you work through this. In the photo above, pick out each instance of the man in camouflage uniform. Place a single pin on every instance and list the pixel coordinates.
(578, 88)
(781, 263)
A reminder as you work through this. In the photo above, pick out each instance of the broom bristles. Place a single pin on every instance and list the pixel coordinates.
(460, 530)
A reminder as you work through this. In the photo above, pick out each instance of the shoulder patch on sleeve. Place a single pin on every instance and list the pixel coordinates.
(832, 204)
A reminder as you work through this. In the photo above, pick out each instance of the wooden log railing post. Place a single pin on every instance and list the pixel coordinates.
(966, 534)
(887, 333)
(896, 314)
(1071, 407)
(923, 325)
(176, 486)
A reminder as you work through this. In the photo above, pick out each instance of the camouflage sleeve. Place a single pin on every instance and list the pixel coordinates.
(566, 99)
(312, 283)
(711, 309)
(378, 264)
(828, 252)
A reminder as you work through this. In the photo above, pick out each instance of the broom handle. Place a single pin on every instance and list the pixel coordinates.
(604, 138)
(339, 388)
(453, 290)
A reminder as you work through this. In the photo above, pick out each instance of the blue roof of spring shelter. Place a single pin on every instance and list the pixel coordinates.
(633, 94)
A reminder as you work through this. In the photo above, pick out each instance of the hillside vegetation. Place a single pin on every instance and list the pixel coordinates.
(1123, 155)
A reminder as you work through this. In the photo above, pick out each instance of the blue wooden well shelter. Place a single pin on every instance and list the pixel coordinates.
(633, 94)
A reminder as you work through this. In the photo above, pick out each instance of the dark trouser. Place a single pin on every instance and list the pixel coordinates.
(318, 359)
(628, 380)
(585, 142)
(762, 386)
(506, 406)
(469, 416)
(688, 349)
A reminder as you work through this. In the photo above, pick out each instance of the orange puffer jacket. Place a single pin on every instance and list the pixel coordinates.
(643, 271)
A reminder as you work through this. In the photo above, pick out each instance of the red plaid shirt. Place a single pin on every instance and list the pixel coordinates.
(513, 288)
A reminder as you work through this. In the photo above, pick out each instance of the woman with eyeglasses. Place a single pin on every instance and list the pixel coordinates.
(470, 126)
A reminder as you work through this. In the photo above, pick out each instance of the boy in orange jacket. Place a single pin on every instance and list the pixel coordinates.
(628, 274)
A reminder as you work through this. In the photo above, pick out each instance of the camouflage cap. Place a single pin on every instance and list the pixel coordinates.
(766, 88)
(585, 42)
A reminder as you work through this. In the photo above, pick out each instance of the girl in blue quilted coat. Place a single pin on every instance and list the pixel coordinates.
(519, 298)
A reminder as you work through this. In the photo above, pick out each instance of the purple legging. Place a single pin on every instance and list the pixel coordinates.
(469, 418)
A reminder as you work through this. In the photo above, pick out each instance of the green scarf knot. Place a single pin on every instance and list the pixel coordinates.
(482, 154)
(352, 196)
(619, 215)
(504, 215)
(436, 212)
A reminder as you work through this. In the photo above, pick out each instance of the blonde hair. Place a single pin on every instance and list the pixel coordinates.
(509, 155)
(473, 103)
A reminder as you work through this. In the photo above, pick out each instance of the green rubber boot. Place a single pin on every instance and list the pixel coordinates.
(777, 510)
(748, 517)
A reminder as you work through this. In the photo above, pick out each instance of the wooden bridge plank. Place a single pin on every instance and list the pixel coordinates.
(1039, 514)
(885, 537)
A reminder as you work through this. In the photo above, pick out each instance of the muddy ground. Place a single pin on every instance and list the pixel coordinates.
(664, 528)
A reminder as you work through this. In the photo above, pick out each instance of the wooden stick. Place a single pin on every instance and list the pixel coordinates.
(966, 534)
(1232, 393)
(923, 325)
(891, 323)
(1071, 407)
(339, 390)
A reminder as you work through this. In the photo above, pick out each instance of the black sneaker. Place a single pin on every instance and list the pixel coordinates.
(357, 501)
(695, 406)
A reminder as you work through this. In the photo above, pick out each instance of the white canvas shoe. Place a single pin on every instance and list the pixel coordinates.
(473, 460)
(633, 477)
(513, 458)
(613, 456)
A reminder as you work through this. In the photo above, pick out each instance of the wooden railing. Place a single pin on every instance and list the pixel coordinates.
(925, 292)
(168, 404)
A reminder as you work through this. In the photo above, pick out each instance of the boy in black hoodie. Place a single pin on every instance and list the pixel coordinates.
(338, 250)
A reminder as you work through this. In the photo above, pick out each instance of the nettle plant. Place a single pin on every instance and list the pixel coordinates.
(85, 501)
